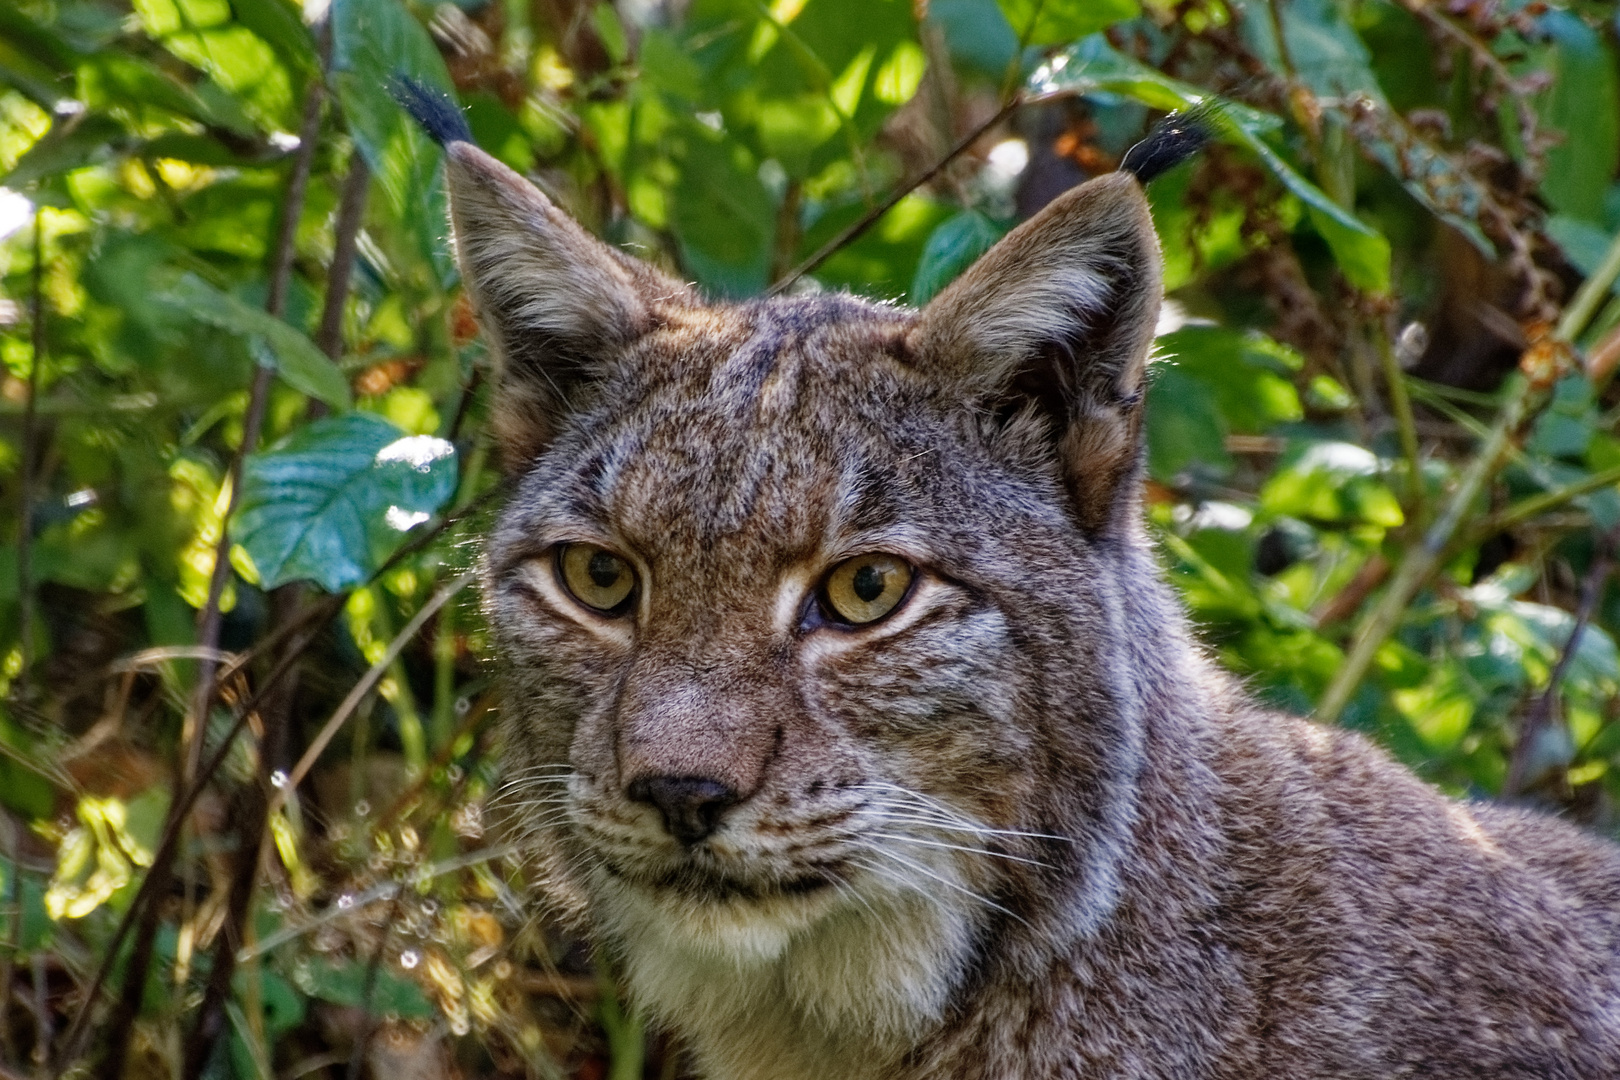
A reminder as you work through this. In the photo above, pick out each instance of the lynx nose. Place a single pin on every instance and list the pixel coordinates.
(692, 805)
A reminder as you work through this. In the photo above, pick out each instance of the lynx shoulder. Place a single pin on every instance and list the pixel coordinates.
(846, 705)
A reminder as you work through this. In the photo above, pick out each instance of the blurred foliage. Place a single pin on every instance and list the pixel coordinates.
(242, 434)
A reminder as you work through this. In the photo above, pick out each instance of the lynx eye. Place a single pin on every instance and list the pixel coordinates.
(595, 576)
(866, 588)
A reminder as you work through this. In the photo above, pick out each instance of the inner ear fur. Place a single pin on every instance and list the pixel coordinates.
(1060, 316)
(556, 304)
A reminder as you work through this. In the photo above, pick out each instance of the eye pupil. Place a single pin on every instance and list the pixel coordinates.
(867, 583)
(604, 569)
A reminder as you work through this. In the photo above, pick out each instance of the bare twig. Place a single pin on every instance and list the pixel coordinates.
(13, 940)
(367, 681)
(30, 461)
(153, 884)
(1401, 406)
(1519, 776)
(351, 210)
(871, 217)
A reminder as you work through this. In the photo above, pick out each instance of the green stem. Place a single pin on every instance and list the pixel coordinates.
(1591, 293)
(627, 1044)
(1401, 405)
(1421, 561)
(1536, 505)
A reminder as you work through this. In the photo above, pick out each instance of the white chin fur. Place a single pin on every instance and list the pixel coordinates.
(859, 979)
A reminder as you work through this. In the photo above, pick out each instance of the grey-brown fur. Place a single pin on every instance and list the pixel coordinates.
(1021, 827)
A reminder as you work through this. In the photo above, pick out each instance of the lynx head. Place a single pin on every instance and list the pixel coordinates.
(811, 610)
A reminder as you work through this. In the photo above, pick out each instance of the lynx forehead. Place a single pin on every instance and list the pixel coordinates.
(845, 706)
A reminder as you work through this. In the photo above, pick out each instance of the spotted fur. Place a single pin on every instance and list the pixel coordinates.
(1022, 827)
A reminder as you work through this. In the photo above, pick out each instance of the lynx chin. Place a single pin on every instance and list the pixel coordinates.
(845, 704)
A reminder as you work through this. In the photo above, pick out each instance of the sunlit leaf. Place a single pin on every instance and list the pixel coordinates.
(328, 502)
(283, 347)
(1058, 22)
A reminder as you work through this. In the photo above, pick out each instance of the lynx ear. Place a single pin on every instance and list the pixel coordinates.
(1060, 316)
(557, 304)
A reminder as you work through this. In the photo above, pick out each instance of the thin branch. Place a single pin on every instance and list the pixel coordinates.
(1400, 404)
(1422, 561)
(30, 462)
(1519, 777)
(320, 614)
(367, 681)
(287, 606)
(871, 217)
(1536, 505)
(346, 242)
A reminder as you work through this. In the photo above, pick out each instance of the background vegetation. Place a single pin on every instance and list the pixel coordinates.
(248, 796)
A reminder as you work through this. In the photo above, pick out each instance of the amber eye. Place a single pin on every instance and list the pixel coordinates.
(595, 576)
(867, 587)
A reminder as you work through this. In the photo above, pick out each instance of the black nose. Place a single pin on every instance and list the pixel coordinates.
(692, 805)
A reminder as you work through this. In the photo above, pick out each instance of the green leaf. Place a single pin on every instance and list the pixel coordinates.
(1361, 251)
(343, 982)
(287, 349)
(952, 248)
(1058, 22)
(1324, 51)
(373, 42)
(976, 33)
(1583, 243)
(611, 32)
(69, 145)
(1330, 481)
(330, 501)
(722, 215)
(1583, 103)
(1183, 426)
(277, 22)
(1245, 374)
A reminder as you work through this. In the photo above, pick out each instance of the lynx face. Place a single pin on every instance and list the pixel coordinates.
(806, 606)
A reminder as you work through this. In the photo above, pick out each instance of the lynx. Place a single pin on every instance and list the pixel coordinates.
(846, 706)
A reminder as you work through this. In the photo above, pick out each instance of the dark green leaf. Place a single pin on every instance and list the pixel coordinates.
(1583, 103)
(343, 982)
(952, 248)
(1059, 22)
(331, 499)
(723, 217)
(297, 359)
(1183, 426)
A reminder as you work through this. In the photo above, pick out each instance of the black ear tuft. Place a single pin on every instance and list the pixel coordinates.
(1173, 140)
(435, 110)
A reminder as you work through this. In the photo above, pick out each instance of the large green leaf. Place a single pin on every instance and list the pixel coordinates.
(722, 215)
(1059, 22)
(69, 145)
(1361, 251)
(952, 248)
(1583, 103)
(333, 499)
(1183, 426)
(292, 354)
